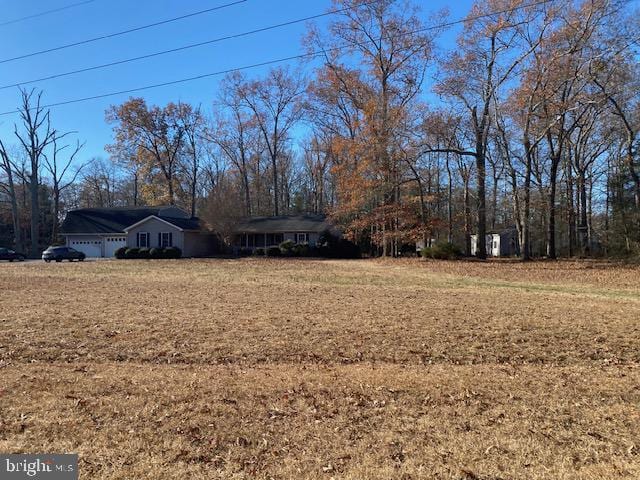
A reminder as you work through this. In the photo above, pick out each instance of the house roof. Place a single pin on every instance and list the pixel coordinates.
(179, 223)
(284, 223)
(115, 220)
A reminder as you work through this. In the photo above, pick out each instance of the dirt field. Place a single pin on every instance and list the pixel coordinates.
(300, 369)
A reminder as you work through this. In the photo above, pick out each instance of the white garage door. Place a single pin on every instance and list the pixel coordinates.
(91, 248)
(111, 244)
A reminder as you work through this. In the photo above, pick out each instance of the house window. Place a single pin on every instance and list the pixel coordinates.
(302, 238)
(166, 239)
(143, 240)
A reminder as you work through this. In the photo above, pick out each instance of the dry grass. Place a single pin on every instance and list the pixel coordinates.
(320, 369)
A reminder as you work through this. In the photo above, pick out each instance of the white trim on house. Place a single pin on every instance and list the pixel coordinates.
(169, 239)
(147, 239)
(151, 217)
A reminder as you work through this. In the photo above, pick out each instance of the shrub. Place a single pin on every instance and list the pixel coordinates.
(259, 252)
(441, 251)
(245, 252)
(287, 247)
(144, 253)
(120, 253)
(332, 246)
(156, 253)
(273, 252)
(172, 252)
(131, 253)
(301, 250)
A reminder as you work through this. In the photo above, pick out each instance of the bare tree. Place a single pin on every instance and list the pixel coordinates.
(35, 137)
(9, 187)
(60, 180)
(275, 102)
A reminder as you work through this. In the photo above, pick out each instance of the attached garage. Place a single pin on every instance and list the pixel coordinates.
(113, 243)
(91, 246)
(99, 232)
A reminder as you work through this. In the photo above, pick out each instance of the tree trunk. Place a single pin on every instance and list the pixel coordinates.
(551, 225)
(56, 213)
(481, 250)
(35, 210)
(525, 241)
(449, 204)
(276, 203)
(467, 218)
(583, 229)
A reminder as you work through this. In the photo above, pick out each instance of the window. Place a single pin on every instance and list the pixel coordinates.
(165, 239)
(143, 239)
(302, 238)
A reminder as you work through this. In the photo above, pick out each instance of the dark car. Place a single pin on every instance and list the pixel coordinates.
(62, 253)
(11, 255)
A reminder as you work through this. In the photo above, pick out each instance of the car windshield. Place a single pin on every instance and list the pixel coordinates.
(71, 250)
(10, 251)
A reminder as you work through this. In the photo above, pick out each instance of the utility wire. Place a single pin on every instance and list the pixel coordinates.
(185, 47)
(280, 60)
(123, 32)
(46, 12)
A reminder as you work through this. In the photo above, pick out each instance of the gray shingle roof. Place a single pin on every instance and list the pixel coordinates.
(115, 220)
(284, 223)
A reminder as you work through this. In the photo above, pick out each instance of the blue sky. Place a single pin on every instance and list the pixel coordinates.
(101, 17)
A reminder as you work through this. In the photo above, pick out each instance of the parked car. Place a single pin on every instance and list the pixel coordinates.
(11, 255)
(62, 253)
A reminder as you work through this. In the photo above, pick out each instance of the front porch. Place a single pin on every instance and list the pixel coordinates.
(258, 240)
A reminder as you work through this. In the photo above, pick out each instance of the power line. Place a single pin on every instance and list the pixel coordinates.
(185, 47)
(46, 12)
(123, 32)
(272, 62)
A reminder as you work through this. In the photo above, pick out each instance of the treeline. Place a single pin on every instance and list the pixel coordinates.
(530, 121)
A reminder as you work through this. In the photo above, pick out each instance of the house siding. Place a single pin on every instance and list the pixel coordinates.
(154, 227)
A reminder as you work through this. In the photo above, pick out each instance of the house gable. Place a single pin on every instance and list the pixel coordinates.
(138, 225)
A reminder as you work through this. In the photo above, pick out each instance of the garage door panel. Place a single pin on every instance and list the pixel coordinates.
(90, 247)
(111, 244)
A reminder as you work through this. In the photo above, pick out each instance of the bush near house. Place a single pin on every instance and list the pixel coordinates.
(147, 253)
(441, 251)
(287, 247)
(131, 253)
(259, 252)
(172, 252)
(273, 252)
(301, 250)
(332, 246)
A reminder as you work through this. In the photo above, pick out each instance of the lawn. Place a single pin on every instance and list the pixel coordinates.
(296, 369)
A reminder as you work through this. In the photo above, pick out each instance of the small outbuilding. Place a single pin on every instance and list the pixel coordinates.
(503, 243)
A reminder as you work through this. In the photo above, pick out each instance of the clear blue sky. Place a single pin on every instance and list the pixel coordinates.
(101, 17)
